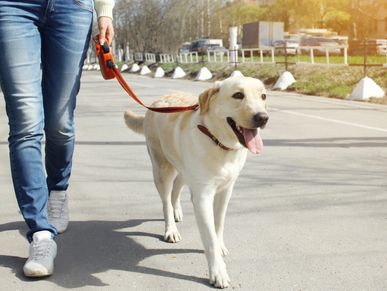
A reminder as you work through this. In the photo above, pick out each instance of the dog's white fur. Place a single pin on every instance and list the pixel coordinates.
(181, 154)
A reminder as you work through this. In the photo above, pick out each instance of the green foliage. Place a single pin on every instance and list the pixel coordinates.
(239, 13)
(345, 16)
(337, 20)
(326, 81)
(164, 25)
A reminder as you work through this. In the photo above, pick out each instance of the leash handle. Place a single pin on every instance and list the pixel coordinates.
(110, 71)
(106, 60)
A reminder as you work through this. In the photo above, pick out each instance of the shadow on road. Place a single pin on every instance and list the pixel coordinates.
(334, 142)
(102, 143)
(92, 247)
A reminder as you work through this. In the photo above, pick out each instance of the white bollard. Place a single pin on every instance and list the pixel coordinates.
(366, 89)
(159, 73)
(178, 73)
(124, 68)
(204, 75)
(284, 81)
(237, 74)
(145, 70)
(135, 68)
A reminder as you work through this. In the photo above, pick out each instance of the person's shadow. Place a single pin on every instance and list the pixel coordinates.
(92, 247)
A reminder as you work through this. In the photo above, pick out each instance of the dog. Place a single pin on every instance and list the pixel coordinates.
(205, 150)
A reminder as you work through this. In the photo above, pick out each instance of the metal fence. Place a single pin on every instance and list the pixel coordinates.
(314, 55)
(188, 58)
(365, 51)
(248, 55)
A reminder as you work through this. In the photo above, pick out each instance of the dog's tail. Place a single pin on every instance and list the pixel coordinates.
(134, 121)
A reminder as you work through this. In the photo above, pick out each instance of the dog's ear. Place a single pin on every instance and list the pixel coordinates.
(205, 99)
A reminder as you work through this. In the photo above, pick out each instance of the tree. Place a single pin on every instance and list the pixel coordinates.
(337, 20)
(164, 25)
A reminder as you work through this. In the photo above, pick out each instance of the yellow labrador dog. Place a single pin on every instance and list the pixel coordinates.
(204, 149)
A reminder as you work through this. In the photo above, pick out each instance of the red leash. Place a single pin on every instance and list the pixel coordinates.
(110, 71)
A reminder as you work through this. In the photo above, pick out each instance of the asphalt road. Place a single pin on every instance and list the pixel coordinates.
(310, 213)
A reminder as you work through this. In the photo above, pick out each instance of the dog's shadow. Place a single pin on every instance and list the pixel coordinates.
(92, 247)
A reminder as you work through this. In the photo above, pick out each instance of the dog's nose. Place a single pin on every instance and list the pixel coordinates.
(260, 119)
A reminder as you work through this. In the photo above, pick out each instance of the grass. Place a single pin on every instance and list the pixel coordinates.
(337, 82)
(321, 80)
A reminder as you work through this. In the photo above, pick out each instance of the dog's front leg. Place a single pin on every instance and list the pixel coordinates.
(203, 206)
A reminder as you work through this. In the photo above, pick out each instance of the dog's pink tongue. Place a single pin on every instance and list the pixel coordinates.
(253, 140)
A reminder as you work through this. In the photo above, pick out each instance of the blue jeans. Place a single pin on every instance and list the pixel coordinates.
(43, 44)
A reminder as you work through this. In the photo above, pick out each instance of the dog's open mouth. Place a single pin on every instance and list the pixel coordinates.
(248, 137)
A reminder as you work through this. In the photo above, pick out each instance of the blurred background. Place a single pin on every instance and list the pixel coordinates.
(169, 25)
(327, 45)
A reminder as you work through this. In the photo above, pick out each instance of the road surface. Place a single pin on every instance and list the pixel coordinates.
(310, 213)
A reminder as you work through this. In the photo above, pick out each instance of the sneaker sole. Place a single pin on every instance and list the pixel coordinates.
(62, 230)
(58, 230)
(38, 275)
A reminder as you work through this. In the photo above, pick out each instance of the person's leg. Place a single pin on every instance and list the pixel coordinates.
(20, 47)
(65, 39)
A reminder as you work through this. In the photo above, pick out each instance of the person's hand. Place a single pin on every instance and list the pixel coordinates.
(106, 30)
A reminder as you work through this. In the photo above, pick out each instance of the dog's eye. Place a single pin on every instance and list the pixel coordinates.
(238, 95)
(263, 96)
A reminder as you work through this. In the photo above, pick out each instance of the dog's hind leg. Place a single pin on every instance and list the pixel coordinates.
(176, 191)
(221, 201)
(164, 174)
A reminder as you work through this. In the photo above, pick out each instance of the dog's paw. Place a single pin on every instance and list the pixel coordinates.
(223, 250)
(219, 278)
(172, 236)
(178, 213)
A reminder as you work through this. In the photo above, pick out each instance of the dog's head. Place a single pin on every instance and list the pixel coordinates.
(239, 102)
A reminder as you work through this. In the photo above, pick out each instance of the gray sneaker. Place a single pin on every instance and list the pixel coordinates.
(43, 249)
(58, 210)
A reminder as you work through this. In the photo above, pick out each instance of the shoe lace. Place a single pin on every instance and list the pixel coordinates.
(55, 207)
(41, 249)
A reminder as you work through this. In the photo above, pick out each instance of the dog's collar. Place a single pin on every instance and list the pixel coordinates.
(211, 136)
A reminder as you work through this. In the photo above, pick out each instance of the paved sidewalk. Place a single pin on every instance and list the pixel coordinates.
(310, 213)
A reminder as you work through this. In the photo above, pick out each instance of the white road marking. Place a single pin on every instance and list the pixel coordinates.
(325, 100)
(331, 120)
